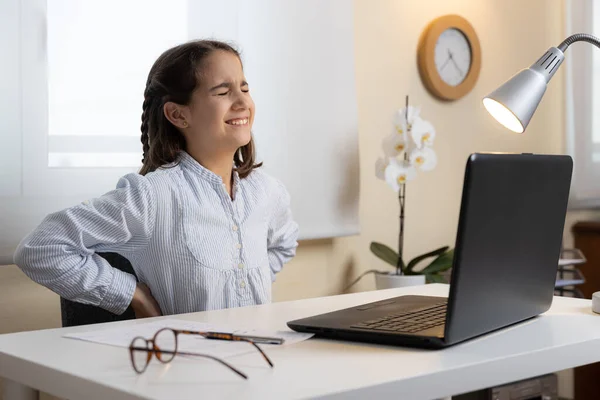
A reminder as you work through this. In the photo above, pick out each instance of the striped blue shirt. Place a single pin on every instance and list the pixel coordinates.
(195, 247)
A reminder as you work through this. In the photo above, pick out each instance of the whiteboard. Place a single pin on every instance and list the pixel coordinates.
(298, 57)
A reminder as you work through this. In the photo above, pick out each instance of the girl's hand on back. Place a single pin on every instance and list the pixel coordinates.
(144, 305)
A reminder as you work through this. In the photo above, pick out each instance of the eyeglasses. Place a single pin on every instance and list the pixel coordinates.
(164, 346)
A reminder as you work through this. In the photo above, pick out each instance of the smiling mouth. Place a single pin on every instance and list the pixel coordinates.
(237, 121)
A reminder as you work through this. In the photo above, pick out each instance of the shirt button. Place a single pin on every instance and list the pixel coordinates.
(238, 246)
(240, 265)
(235, 228)
(242, 284)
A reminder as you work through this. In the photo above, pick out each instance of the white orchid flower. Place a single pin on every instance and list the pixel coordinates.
(423, 133)
(425, 158)
(398, 173)
(400, 128)
(380, 166)
(402, 122)
(394, 145)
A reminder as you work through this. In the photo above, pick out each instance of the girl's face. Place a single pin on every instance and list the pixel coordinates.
(221, 112)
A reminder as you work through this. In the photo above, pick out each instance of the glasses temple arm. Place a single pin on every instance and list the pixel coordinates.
(231, 367)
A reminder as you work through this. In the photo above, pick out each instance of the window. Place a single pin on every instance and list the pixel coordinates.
(72, 82)
(99, 54)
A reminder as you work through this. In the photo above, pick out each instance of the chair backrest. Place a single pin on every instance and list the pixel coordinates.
(74, 314)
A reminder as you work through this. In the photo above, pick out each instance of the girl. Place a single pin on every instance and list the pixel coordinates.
(203, 227)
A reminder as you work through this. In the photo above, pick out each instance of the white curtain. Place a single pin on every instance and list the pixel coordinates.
(582, 67)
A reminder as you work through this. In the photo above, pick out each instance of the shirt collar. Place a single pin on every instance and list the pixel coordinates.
(191, 164)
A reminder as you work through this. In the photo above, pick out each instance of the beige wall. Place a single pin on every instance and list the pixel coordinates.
(513, 34)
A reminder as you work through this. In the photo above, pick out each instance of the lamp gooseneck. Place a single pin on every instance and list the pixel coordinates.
(578, 37)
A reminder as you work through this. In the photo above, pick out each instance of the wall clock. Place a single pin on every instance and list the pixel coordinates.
(449, 57)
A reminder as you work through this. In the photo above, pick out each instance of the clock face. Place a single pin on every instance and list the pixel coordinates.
(452, 56)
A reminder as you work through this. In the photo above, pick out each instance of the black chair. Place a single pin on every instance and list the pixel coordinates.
(74, 314)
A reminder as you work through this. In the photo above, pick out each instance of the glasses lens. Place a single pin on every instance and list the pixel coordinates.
(165, 342)
(139, 354)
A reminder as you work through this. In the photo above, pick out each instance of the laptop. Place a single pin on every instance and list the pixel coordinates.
(506, 256)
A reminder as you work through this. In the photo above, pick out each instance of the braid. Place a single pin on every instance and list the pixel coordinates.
(145, 126)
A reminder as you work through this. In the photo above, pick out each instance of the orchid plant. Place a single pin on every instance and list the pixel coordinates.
(407, 151)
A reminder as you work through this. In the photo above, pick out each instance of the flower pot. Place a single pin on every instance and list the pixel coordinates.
(391, 280)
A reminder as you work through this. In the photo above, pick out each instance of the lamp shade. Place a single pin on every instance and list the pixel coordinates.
(514, 103)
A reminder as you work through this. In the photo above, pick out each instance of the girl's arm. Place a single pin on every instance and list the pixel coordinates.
(283, 232)
(60, 253)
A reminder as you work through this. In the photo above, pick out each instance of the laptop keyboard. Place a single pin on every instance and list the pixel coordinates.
(410, 321)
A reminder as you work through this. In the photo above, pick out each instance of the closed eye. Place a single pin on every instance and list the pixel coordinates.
(226, 93)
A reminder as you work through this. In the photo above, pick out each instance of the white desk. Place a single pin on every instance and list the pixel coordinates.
(566, 336)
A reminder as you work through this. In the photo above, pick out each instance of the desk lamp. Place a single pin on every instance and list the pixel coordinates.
(514, 103)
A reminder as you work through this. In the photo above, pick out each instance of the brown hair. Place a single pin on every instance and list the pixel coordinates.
(173, 77)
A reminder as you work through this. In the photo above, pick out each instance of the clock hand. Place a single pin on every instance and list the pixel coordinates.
(445, 63)
(451, 58)
(456, 66)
